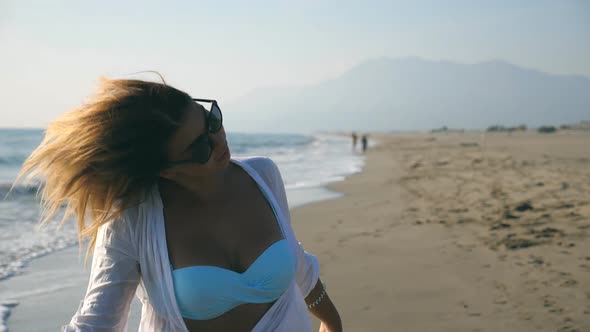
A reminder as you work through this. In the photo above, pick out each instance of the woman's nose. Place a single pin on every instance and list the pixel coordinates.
(218, 138)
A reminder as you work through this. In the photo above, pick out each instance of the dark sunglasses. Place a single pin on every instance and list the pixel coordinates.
(202, 147)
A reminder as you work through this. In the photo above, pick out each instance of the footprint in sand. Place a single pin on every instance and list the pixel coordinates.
(548, 301)
(524, 206)
(547, 232)
(500, 301)
(536, 260)
(569, 283)
(525, 315)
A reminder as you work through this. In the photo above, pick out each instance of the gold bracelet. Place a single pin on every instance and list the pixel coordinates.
(319, 299)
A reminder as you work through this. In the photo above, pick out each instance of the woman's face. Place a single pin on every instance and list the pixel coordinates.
(194, 125)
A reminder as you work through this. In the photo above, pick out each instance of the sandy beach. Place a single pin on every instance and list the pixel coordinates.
(439, 232)
(460, 232)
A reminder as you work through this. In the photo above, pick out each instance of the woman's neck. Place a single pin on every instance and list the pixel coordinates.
(204, 190)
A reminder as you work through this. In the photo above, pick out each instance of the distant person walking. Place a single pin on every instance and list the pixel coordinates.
(354, 139)
(364, 141)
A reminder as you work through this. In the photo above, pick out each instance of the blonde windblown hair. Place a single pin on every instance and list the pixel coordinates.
(101, 158)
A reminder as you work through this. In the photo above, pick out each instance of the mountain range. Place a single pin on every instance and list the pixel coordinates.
(402, 94)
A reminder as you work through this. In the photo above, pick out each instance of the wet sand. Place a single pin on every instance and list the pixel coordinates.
(460, 232)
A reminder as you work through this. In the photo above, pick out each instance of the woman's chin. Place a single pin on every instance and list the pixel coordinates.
(224, 162)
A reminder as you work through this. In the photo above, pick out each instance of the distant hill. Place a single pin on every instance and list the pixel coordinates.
(416, 94)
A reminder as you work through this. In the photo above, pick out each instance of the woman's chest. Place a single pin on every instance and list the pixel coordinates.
(230, 235)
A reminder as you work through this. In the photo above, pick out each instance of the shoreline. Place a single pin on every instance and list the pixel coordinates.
(51, 306)
(408, 247)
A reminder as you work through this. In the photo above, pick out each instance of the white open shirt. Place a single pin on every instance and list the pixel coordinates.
(132, 251)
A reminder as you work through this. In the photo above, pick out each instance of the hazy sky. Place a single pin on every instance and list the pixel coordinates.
(52, 52)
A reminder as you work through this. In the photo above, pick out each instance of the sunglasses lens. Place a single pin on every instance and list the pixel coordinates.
(215, 118)
(202, 151)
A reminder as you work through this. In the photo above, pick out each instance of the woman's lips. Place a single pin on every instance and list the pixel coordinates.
(223, 154)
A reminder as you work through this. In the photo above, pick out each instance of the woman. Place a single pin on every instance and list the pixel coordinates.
(207, 238)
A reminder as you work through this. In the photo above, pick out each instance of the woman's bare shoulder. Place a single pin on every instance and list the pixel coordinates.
(264, 166)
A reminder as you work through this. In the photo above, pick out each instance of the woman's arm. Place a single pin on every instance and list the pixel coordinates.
(320, 305)
(113, 280)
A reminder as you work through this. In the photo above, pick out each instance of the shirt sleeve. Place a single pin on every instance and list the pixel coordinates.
(114, 278)
(308, 267)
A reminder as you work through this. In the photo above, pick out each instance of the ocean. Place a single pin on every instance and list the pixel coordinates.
(307, 164)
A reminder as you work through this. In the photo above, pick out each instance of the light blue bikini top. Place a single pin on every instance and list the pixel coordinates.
(205, 292)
